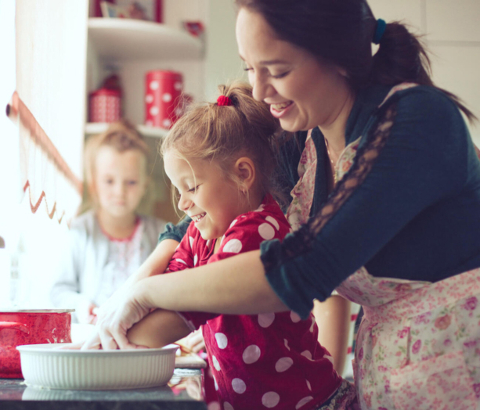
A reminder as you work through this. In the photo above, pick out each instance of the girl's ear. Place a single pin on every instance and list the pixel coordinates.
(244, 169)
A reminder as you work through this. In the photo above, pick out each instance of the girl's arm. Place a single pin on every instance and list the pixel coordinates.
(159, 328)
(333, 320)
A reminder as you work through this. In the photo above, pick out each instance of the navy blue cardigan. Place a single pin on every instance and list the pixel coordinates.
(416, 215)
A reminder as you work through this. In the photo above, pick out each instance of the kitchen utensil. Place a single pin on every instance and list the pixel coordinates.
(57, 367)
(19, 327)
(163, 102)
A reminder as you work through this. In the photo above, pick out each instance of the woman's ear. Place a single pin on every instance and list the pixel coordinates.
(244, 170)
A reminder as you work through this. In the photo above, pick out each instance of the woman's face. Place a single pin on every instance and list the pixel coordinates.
(302, 92)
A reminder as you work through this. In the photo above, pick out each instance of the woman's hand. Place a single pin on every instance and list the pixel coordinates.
(114, 318)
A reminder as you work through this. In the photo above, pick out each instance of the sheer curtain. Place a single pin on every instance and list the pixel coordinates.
(42, 147)
(48, 104)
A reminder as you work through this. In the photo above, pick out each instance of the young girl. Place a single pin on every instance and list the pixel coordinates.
(220, 159)
(109, 241)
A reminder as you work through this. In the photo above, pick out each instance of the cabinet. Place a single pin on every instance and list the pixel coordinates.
(131, 48)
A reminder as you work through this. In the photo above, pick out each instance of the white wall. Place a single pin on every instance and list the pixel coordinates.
(452, 34)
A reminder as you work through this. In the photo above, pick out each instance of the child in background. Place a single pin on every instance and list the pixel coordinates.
(109, 241)
(220, 157)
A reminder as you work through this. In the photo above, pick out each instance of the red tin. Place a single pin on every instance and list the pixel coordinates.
(24, 327)
(163, 105)
(105, 105)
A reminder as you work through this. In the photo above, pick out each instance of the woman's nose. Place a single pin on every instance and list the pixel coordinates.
(261, 87)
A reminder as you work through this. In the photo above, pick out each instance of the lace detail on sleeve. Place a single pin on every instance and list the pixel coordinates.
(301, 241)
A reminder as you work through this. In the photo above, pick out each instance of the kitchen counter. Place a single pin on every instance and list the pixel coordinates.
(183, 392)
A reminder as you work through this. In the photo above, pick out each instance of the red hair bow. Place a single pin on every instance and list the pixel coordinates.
(224, 100)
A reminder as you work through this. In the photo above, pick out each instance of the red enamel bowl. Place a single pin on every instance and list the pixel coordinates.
(25, 327)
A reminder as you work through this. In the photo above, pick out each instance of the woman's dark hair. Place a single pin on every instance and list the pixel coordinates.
(341, 32)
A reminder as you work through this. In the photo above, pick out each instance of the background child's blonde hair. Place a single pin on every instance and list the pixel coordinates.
(225, 133)
(121, 136)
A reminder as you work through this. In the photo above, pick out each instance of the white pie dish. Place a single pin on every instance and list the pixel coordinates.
(54, 366)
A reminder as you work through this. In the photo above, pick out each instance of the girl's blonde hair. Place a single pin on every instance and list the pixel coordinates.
(223, 134)
(122, 137)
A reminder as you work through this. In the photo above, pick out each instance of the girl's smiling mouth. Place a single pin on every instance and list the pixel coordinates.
(197, 218)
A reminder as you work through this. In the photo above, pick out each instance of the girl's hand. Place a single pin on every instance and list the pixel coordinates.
(194, 341)
(114, 318)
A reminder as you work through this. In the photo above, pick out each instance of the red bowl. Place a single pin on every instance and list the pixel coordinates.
(24, 327)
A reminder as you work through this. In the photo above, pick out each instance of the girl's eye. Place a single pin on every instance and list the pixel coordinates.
(194, 189)
(132, 183)
(248, 69)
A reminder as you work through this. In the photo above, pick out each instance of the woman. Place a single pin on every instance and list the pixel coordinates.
(394, 222)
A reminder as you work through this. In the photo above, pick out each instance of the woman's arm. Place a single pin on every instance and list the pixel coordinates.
(236, 285)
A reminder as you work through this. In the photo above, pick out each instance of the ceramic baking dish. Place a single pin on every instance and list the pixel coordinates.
(54, 367)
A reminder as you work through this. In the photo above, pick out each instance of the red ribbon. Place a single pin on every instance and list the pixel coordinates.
(223, 100)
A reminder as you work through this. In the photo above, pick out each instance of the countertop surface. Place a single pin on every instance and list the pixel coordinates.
(183, 392)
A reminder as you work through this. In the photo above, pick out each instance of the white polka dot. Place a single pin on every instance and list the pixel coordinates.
(266, 231)
(266, 319)
(273, 221)
(222, 340)
(283, 364)
(154, 85)
(214, 405)
(307, 354)
(239, 386)
(167, 97)
(286, 344)
(178, 85)
(190, 240)
(295, 317)
(167, 122)
(149, 98)
(227, 406)
(270, 399)
(260, 208)
(233, 245)
(216, 364)
(215, 383)
(181, 261)
(304, 401)
(329, 358)
(153, 110)
(251, 354)
(308, 385)
(233, 223)
(195, 260)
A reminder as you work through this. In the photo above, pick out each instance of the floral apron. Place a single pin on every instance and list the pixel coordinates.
(418, 346)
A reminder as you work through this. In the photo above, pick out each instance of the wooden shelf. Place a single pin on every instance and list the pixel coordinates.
(92, 128)
(127, 39)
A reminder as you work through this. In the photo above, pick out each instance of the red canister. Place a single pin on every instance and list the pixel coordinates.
(24, 327)
(105, 105)
(162, 98)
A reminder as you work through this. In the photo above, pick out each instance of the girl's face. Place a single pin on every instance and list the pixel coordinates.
(206, 195)
(302, 92)
(120, 180)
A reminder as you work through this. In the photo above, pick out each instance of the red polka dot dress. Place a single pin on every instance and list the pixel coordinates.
(270, 360)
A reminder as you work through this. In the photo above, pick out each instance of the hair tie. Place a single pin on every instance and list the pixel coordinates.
(223, 100)
(379, 30)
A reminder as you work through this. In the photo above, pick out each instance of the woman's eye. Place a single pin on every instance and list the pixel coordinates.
(280, 75)
(194, 189)
(248, 69)
(132, 183)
